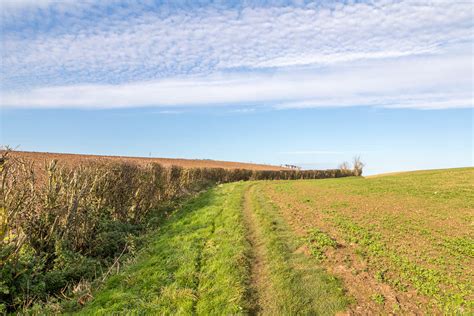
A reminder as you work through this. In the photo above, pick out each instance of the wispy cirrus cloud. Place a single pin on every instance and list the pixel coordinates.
(290, 56)
(410, 83)
(313, 152)
(324, 152)
(170, 112)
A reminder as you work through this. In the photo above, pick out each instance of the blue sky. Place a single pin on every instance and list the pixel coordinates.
(302, 82)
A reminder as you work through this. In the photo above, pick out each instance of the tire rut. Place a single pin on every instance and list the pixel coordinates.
(260, 289)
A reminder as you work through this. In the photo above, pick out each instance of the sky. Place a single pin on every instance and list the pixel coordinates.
(311, 83)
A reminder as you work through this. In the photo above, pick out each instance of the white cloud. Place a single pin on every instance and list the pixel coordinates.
(404, 83)
(313, 152)
(290, 56)
(171, 112)
(243, 111)
(22, 4)
(151, 46)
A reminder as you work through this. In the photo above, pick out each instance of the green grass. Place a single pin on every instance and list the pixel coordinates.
(453, 186)
(196, 263)
(299, 285)
(199, 263)
(413, 230)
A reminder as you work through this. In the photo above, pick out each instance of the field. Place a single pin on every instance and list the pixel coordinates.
(400, 244)
(73, 160)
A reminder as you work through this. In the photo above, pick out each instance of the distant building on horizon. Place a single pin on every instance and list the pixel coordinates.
(291, 167)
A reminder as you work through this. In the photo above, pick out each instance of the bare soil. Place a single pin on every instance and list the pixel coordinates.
(74, 159)
(343, 262)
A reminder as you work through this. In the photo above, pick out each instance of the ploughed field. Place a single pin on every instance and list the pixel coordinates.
(399, 244)
(73, 160)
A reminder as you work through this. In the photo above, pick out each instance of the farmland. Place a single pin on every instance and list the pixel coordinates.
(105, 235)
(390, 244)
(73, 160)
(404, 242)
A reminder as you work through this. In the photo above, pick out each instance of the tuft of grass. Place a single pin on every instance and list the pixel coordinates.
(380, 275)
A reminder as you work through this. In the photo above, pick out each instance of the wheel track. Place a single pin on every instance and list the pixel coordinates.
(260, 287)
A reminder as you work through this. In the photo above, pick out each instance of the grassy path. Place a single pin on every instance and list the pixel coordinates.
(196, 264)
(259, 289)
(228, 251)
(293, 281)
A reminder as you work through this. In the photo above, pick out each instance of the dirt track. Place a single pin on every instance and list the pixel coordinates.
(259, 287)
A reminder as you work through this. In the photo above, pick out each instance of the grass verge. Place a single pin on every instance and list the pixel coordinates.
(299, 285)
(196, 263)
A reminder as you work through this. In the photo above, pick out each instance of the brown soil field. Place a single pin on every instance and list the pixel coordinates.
(39, 158)
(404, 241)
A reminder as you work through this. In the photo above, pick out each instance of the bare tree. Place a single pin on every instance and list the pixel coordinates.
(358, 166)
(344, 166)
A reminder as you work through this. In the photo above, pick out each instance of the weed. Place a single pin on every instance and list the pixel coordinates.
(396, 308)
(378, 298)
(380, 275)
(318, 242)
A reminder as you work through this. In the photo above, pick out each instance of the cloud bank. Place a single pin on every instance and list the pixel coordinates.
(403, 54)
